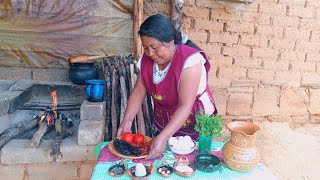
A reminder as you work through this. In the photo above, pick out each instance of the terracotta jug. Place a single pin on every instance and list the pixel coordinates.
(240, 153)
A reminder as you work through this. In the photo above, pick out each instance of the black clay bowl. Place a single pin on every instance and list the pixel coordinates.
(207, 162)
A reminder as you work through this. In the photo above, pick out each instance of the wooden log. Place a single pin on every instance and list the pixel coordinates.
(114, 104)
(140, 120)
(176, 13)
(137, 20)
(133, 82)
(147, 119)
(7, 135)
(36, 138)
(62, 131)
(123, 91)
(107, 76)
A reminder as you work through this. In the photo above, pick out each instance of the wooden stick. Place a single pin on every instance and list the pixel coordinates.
(137, 20)
(114, 104)
(108, 135)
(133, 82)
(123, 91)
(8, 134)
(176, 13)
(36, 138)
(140, 120)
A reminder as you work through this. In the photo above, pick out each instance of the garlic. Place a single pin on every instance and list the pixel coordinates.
(140, 170)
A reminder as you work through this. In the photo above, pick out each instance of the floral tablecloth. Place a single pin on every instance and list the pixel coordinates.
(106, 159)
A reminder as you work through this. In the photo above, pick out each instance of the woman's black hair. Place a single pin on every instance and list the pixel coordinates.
(161, 28)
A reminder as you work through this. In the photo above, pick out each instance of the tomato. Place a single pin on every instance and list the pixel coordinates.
(127, 137)
(138, 138)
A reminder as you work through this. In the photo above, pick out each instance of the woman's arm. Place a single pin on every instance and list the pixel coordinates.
(189, 84)
(136, 98)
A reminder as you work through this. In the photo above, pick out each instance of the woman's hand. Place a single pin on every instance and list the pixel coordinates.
(157, 147)
(125, 126)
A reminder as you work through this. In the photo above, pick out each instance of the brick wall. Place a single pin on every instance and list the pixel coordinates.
(265, 55)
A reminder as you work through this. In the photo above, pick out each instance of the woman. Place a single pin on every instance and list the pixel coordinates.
(175, 75)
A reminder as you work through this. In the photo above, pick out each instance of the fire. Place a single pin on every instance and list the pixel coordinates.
(54, 102)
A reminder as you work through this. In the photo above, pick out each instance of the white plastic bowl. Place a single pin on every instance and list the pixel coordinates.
(183, 152)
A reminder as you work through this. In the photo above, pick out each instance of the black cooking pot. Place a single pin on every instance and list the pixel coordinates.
(207, 162)
(80, 72)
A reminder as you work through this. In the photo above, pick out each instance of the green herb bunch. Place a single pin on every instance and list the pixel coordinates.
(208, 125)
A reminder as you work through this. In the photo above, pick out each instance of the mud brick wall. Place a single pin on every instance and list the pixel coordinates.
(265, 55)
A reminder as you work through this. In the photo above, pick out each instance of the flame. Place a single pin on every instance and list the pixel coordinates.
(54, 102)
(43, 116)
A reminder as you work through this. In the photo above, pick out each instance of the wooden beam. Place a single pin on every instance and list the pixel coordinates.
(176, 13)
(137, 20)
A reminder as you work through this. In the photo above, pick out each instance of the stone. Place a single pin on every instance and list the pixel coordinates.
(93, 111)
(294, 102)
(18, 151)
(53, 171)
(86, 170)
(5, 85)
(20, 116)
(91, 132)
(314, 107)
(4, 123)
(14, 99)
(266, 101)
(239, 104)
(12, 172)
(71, 151)
(21, 85)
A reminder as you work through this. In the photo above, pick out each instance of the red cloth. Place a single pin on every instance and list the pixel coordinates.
(165, 93)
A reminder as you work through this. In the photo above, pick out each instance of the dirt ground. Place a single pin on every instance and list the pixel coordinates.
(290, 153)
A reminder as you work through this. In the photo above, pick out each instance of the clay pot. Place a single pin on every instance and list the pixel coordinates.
(80, 72)
(240, 153)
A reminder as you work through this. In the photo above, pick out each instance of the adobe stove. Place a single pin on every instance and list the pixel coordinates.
(48, 127)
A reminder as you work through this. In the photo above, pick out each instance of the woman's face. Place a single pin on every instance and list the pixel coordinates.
(160, 52)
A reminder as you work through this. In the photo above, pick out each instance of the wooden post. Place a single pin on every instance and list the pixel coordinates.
(137, 20)
(176, 13)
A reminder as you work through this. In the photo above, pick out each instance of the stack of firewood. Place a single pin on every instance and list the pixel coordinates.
(120, 73)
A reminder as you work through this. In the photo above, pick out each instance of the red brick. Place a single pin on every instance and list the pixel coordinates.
(189, 2)
(254, 74)
(313, 3)
(224, 37)
(248, 62)
(252, 40)
(223, 61)
(241, 51)
(223, 15)
(209, 4)
(315, 37)
(283, 65)
(313, 57)
(293, 102)
(208, 25)
(288, 78)
(267, 75)
(285, 21)
(293, 33)
(195, 12)
(232, 72)
(303, 66)
(239, 104)
(301, 11)
(212, 49)
(266, 101)
(293, 2)
(308, 46)
(198, 36)
(293, 55)
(310, 79)
(317, 15)
(309, 24)
(272, 8)
(270, 64)
(240, 27)
(270, 31)
(261, 19)
(287, 44)
(186, 24)
(265, 53)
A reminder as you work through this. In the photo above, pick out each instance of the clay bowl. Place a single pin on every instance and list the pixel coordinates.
(131, 173)
(117, 170)
(183, 161)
